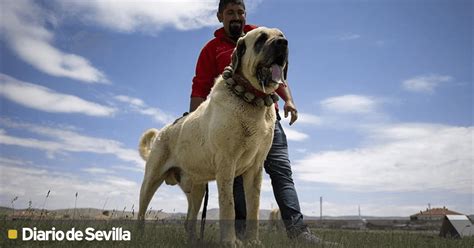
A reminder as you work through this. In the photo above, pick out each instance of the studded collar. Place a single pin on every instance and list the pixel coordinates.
(242, 88)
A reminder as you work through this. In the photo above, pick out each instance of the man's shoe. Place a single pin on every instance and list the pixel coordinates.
(307, 237)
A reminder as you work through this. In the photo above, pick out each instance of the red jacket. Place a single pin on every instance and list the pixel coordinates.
(214, 57)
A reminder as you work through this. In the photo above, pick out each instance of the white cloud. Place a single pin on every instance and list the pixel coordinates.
(32, 183)
(399, 157)
(139, 106)
(266, 185)
(425, 84)
(44, 99)
(303, 119)
(133, 101)
(308, 119)
(97, 170)
(23, 28)
(302, 150)
(4, 160)
(294, 135)
(129, 168)
(349, 36)
(144, 15)
(367, 209)
(349, 104)
(62, 141)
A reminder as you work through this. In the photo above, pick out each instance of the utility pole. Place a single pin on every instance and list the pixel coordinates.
(360, 217)
(321, 208)
(429, 210)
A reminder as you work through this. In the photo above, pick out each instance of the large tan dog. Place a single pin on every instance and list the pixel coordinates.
(228, 135)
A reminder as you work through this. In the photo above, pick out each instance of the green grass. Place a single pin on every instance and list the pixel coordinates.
(160, 234)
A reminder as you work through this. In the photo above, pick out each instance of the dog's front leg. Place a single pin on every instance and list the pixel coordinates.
(252, 184)
(225, 182)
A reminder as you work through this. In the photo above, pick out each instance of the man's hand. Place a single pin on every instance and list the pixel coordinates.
(290, 107)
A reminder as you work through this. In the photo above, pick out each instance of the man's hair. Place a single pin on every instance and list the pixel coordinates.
(223, 4)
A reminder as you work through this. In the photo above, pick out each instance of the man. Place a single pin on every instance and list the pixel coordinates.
(214, 57)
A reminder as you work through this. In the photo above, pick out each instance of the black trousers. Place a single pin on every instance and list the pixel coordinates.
(277, 165)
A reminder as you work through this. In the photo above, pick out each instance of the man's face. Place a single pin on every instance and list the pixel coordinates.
(233, 18)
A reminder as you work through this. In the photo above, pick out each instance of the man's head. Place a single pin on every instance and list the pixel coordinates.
(232, 15)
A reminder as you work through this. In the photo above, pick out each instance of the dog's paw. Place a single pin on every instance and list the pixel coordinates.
(254, 243)
(232, 244)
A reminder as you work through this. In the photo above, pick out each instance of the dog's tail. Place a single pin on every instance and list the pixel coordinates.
(146, 142)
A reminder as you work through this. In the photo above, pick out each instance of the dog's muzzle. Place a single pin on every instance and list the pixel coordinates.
(271, 71)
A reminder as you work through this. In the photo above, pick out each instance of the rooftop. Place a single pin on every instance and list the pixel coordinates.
(437, 212)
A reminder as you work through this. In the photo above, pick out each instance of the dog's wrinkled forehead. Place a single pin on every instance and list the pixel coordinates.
(259, 36)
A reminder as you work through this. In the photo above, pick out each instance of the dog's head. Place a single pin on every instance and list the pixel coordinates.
(261, 56)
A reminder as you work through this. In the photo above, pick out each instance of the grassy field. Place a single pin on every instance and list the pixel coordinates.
(165, 234)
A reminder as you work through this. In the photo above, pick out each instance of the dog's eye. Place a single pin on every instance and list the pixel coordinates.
(260, 42)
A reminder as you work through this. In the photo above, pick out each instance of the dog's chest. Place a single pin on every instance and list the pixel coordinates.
(252, 130)
(252, 137)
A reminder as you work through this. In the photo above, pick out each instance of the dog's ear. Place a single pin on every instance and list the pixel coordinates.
(238, 53)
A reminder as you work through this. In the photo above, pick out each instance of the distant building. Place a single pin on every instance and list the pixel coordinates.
(433, 214)
(456, 226)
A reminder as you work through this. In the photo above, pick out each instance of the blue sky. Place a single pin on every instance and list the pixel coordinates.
(384, 89)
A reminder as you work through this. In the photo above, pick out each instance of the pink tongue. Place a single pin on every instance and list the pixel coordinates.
(277, 74)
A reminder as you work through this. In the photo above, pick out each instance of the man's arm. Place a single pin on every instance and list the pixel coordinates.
(195, 102)
(203, 80)
(285, 93)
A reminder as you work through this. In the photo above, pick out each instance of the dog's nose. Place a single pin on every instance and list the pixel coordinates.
(281, 42)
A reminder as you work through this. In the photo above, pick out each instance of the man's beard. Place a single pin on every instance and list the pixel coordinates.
(235, 29)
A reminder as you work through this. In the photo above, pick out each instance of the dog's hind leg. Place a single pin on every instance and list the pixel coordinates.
(194, 204)
(148, 189)
(252, 183)
(154, 177)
